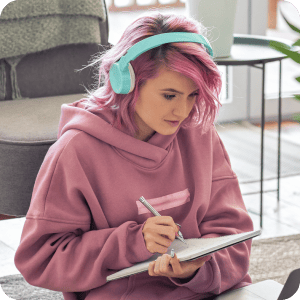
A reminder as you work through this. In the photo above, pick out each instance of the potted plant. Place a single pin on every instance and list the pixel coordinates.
(218, 17)
(294, 55)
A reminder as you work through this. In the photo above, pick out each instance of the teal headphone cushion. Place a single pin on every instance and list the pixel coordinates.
(120, 79)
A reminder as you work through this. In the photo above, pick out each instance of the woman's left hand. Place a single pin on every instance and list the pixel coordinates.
(167, 266)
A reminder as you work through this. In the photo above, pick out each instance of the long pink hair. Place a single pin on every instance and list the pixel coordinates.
(189, 59)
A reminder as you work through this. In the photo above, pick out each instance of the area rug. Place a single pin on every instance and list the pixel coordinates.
(242, 141)
(272, 258)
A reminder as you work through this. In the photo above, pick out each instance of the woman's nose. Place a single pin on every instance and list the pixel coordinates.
(182, 109)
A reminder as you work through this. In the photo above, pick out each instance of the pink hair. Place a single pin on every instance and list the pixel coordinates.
(189, 59)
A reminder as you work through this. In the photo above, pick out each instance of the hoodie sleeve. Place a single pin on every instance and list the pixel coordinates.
(58, 248)
(226, 214)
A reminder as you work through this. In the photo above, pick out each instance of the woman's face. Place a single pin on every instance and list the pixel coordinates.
(168, 97)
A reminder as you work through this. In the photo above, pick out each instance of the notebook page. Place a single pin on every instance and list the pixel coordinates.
(203, 246)
(195, 248)
(177, 245)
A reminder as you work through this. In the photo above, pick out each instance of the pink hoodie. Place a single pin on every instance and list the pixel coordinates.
(85, 221)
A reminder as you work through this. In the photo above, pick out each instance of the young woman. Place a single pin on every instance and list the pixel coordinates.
(158, 140)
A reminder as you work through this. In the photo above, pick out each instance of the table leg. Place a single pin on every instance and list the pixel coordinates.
(279, 132)
(262, 145)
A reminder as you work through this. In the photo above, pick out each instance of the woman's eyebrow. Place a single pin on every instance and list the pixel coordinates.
(175, 91)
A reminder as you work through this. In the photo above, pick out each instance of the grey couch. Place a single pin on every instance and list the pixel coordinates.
(37, 75)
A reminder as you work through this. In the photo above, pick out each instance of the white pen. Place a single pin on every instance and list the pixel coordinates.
(154, 211)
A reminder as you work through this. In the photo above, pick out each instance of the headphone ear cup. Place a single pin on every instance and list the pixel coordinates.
(122, 81)
(132, 77)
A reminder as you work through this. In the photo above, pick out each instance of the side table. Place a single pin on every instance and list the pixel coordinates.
(250, 50)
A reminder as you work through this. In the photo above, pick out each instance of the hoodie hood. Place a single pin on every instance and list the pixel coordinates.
(99, 125)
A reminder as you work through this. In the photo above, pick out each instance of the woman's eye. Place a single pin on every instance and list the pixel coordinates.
(195, 95)
(169, 97)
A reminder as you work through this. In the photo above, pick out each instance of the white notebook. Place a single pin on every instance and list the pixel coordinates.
(194, 248)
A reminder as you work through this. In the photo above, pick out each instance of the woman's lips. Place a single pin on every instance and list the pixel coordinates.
(173, 123)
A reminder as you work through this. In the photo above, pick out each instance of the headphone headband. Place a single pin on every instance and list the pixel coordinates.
(121, 73)
(160, 39)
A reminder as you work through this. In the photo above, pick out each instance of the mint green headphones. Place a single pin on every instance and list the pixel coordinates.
(121, 73)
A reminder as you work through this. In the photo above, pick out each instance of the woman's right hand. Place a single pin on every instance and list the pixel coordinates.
(159, 233)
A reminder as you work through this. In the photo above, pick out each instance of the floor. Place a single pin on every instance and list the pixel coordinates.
(279, 220)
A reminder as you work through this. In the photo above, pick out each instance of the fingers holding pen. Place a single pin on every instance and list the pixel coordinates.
(165, 221)
(159, 225)
(159, 232)
(157, 244)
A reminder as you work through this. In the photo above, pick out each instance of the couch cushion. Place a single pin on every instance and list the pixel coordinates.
(32, 121)
(28, 127)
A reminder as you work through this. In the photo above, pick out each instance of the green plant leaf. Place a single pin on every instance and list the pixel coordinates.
(296, 118)
(295, 56)
(278, 46)
(291, 25)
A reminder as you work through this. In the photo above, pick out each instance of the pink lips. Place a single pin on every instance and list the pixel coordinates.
(173, 123)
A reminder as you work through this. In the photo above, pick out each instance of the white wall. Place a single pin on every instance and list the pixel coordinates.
(251, 18)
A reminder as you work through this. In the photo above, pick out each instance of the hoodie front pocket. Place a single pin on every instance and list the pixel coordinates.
(165, 202)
